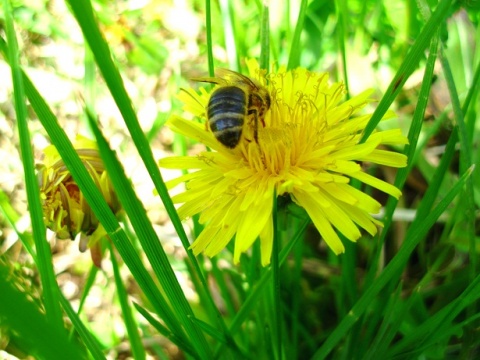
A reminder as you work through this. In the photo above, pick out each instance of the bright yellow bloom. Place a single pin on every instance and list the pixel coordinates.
(309, 148)
(65, 210)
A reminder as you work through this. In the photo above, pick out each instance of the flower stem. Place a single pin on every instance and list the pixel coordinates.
(208, 22)
(276, 282)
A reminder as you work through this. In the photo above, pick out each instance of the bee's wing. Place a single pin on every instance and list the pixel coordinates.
(211, 80)
(235, 77)
(225, 77)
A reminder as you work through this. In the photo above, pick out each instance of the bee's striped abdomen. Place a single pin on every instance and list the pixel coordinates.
(227, 109)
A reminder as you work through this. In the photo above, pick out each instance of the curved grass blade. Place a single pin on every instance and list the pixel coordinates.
(466, 206)
(90, 342)
(214, 333)
(186, 347)
(208, 24)
(12, 217)
(342, 13)
(410, 151)
(294, 57)
(265, 38)
(138, 351)
(44, 257)
(277, 301)
(229, 31)
(182, 312)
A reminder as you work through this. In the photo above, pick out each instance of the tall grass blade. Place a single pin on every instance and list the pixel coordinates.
(277, 301)
(138, 351)
(294, 57)
(185, 346)
(265, 38)
(90, 342)
(182, 313)
(44, 257)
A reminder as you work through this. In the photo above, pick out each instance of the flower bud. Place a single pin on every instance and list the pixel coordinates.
(65, 209)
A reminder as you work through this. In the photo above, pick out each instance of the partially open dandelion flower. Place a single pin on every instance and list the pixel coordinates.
(308, 147)
(65, 210)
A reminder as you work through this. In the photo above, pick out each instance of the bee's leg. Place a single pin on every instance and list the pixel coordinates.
(262, 118)
(255, 126)
(254, 112)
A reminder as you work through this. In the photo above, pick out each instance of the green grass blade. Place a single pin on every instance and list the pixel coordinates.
(434, 187)
(419, 113)
(149, 241)
(89, 282)
(472, 91)
(220, 279)
(410, 148)
(208, 24)
(215, 334)
(208, 306)
(265, 38)
(90, 80)
(230, 38)
(408, 65)
(277, 301)
(342, 13)
(296, 300)
(44, 257)
(466, 206)
(185, 346)
(90, 342)
(138, 350)
(294, 57)
(416, 232)
(349, 286)
(12, 217)
(393, 308)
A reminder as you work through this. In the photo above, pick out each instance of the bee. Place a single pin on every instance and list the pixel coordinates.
(237, 101)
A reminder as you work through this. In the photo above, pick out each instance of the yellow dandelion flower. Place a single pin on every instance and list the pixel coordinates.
(307, 146)
(65, 210)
